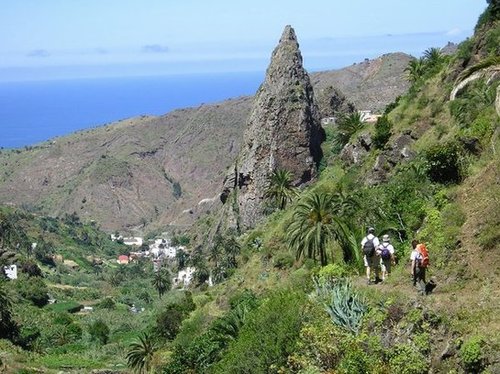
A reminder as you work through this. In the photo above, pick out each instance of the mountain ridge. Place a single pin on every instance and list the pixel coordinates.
(132, 193)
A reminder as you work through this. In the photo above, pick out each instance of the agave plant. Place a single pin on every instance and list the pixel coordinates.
(345, 307)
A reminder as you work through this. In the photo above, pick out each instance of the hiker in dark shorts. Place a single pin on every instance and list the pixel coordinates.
(371, 255)
(417, 271)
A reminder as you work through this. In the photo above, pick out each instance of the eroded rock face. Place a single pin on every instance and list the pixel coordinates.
(333, 103)
(354, 153)
(396, 152)
(283, 132)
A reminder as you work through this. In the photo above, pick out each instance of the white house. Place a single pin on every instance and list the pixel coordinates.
(11, 271)
(185, 276)
(136, 240)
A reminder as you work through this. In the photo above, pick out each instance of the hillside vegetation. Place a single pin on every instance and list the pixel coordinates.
(290, 296)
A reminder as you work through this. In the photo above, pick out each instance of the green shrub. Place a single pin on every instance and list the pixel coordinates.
(107, 303)
(320, 344)
(464, 50)
(283, 260)
(205, 349)
(331, 272)
(168, 321)
(471, 355)
(382, 132)
(8, 327)
(354, 361)
(33, 289)
(267, 338)
(99, 331)
(405, 359)
(445, 162)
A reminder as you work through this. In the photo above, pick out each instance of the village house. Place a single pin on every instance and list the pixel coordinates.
(123, 259)
(11, 271)
(184, 277)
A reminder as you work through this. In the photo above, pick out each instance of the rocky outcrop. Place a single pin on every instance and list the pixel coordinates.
(353, 153)
(332, 102)
(395, 152)
(283, 132)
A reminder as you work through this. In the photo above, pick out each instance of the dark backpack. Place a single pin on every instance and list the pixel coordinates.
(369, 248)
(385, 253)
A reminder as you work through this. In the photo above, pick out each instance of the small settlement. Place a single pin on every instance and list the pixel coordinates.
(160, 251)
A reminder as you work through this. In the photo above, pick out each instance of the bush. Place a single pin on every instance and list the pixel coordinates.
(168, 321)
(34, 290)
(331, 272)
(107, 303)
(99, 331)
(283, 260)
(321, 343)
(382, 132)
(405, 359)
(445, 162)
(471, 355)
(267, 338)
(205, 349)
(354, 361)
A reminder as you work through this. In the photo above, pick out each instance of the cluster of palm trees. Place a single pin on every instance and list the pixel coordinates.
(318, 222)
(429, 62)
(223, 254)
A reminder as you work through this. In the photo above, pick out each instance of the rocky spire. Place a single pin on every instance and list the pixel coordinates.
(283, 132)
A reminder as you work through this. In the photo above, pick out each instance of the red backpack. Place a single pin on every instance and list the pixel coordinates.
(423, 261)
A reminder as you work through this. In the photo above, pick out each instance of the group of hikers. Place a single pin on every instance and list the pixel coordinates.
(379, 257)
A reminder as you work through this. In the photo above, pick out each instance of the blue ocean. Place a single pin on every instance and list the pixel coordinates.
(32, 112)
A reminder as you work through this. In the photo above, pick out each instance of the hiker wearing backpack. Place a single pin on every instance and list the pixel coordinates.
(369, 247)
(386, 256)
(419, 262)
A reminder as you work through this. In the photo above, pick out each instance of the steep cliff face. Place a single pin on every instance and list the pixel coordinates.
(283, 132)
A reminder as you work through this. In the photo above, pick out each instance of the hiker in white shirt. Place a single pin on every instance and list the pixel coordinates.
(371, 253)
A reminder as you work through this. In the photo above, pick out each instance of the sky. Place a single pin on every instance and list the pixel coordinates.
(56, 39)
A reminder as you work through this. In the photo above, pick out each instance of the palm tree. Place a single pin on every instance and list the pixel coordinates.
(313, 227)
(280, 191)
(347, 125)
(161, 281)
(140, 355)
(433, 57)
(415, 70)
(216, 249)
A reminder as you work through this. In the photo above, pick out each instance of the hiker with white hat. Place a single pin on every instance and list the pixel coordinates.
(386, 251)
